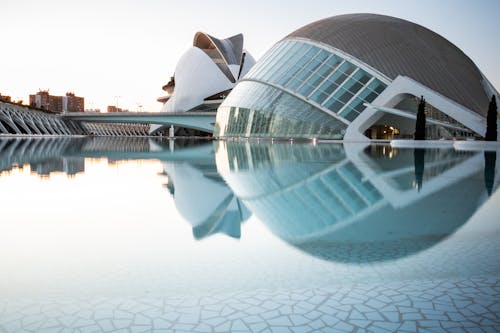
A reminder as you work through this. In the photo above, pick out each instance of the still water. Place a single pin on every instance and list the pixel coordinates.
(140, 235)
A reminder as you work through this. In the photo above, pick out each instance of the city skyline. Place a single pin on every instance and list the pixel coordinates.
(123, 52)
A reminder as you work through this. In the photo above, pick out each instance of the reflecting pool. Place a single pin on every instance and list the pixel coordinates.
(143, 235)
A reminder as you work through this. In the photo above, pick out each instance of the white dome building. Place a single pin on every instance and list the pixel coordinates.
(206, 73)
(358, 77)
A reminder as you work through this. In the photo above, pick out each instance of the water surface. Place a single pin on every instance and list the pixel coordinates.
(139, 235)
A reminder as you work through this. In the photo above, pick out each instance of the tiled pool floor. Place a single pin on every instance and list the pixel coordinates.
(470, 305)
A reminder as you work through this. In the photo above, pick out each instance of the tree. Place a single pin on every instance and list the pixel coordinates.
(420, 124)
(490, 158)
(491, 121)
(419, 162)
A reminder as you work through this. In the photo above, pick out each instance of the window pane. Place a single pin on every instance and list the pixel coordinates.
(334, 105)
(333, 62)
(377, 86)
(343, 95)
(322, 55)
(306, 89)
(359, 105)
(348, 68)
(328, 87)
(361, 76)
(338, 77)
(352, 85)
(380, 88)
(319, 96)
(371, 97)
(349, 114)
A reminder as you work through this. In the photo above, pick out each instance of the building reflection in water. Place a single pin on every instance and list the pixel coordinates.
(349, 204)
(201, 196)
(419, 160)
(339, 202)
(44, 156)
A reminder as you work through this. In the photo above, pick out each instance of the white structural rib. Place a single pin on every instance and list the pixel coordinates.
(395, 92)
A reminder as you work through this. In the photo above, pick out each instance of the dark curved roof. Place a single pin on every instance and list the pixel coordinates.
(229, 50)
(398, 47)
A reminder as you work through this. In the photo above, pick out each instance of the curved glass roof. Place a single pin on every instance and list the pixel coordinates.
(299, 89)
(397, 47)
(324, 79)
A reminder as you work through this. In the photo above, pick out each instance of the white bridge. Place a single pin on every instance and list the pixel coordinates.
(203, 121)
(23, 120)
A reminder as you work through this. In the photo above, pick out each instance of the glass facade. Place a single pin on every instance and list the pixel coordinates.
(265, 111)
(325, 82)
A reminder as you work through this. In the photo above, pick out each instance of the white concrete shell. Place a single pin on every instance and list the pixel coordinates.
(196, 78)
(211, 66)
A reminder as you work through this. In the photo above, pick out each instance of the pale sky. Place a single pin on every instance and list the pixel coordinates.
(129, 48)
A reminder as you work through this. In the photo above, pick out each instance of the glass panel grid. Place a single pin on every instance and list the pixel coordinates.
(289, 59)
(279, 60)
(307, 71)
(257, 109)
(263, 63)
(319, 75)
(297, 66)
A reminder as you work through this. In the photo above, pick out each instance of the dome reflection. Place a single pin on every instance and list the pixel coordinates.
(349, 203)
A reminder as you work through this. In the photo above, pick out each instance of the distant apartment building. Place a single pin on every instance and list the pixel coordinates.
(72, 103)
(4, 98)
(69, 103)
(43, 100)
(113, 108)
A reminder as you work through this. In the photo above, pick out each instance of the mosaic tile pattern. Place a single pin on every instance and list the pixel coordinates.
(461, 305)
